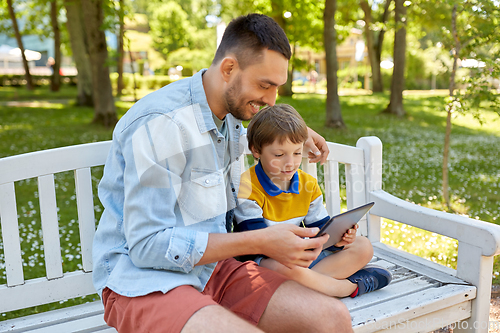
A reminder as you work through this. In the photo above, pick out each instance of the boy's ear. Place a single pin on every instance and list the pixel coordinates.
(255, 152)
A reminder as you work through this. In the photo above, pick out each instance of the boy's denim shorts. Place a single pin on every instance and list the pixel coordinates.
(322, 255)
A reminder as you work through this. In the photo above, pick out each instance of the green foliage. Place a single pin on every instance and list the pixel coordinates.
(180, 32)
(170, 28)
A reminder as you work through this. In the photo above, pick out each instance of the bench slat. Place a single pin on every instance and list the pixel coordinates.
(86, 317)
(10, 235)
(52, 161)
(412, 307)
(50, 226)
(332, 188)
(85, 204)
(42, 291)
(345, 154)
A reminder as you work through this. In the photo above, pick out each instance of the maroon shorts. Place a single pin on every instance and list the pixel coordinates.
(243, 288)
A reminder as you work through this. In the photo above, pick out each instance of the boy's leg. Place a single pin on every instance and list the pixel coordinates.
(295, 308)
(351, 259)
(314, 280)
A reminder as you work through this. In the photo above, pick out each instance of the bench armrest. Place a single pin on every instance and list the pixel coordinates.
(481, 234)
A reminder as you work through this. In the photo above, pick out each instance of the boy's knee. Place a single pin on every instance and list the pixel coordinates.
(364, 248)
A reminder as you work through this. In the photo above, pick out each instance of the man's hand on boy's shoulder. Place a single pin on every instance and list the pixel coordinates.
(318, 148)
(290, 244)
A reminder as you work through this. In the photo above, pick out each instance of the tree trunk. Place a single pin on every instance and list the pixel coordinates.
(121, 52)
(446, 150)
(398, 76)
(380, 41)
(372, 52)
(76, 30)
(12, 14)
(104, 104)
(277, 8)
(333, 110)
(55, 83)
(286, 89)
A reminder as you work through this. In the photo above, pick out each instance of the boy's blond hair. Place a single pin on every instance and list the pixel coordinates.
(280, 122)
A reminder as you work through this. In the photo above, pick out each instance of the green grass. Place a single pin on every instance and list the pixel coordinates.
(412, 156)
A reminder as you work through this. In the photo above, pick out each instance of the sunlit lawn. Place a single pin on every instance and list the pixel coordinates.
(412, 155)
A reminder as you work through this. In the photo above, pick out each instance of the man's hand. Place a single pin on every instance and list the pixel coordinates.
(289, 244)
(318, 148)
(348, 237)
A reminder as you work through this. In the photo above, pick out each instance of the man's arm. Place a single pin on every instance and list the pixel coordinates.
(286, 243)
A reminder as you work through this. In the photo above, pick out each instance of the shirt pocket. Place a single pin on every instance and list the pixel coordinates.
(203, 197)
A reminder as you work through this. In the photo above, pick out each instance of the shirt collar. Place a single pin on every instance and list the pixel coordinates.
(204, 116)
(271, 188)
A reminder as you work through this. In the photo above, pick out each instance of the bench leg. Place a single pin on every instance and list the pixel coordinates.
(479, 273)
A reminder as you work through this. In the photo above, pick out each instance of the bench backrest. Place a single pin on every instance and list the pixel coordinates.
(43, 165)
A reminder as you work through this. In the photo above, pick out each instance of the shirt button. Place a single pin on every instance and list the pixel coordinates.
(207, 181)
(237, 158)
(233, 189)
(219, 141)
(176, 257)
(237, 126)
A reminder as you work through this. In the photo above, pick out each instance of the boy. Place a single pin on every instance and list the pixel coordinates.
(277, 191)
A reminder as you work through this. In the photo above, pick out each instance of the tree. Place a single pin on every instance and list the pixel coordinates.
(375, 41)
(333, 110)
(398, 76)
(473, 25)
(77, 36)
(104, 104)
(121, 51)
(12, 14)
(56, 77)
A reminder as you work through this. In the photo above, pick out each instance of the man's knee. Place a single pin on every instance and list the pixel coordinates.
(333, 313)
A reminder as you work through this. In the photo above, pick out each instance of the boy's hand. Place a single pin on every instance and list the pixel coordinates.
(348, 237)
(290, 244)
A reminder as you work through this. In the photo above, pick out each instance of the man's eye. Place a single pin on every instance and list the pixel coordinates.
(278, 155)
(298, 153)
(264, 87)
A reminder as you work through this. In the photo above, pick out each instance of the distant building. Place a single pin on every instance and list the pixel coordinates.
(351, 53)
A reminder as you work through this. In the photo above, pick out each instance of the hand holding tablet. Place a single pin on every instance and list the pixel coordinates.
(338, 225)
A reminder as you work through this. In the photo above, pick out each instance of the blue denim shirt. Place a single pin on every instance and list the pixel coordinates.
(163, 192)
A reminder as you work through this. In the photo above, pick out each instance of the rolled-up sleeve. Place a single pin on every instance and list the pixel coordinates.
(153, 179)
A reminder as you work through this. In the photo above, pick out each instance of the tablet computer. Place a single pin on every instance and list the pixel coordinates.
(338, 225)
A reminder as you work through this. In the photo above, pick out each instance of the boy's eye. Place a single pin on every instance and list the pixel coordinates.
(300, 153)
(278, 155)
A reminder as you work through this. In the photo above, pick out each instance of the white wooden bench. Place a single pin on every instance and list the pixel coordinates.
(423, 296)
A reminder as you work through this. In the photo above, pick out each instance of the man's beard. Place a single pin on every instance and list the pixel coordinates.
(232, 107)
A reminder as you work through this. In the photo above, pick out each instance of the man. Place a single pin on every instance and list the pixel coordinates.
(163, 260)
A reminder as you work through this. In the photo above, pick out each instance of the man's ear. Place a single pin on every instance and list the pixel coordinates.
(227, 67)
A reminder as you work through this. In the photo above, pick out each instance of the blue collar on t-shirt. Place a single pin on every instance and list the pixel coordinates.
(270, 188)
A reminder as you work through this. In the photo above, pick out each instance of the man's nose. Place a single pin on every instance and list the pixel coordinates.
(270, 96)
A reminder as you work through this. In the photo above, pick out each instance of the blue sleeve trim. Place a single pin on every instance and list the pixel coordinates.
(319, 224)
(252, 224)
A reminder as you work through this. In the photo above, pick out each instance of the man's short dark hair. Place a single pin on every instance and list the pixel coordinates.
(247, 36)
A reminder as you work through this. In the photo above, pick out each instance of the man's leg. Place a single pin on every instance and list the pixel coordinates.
(216, 319)
(295, 308)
